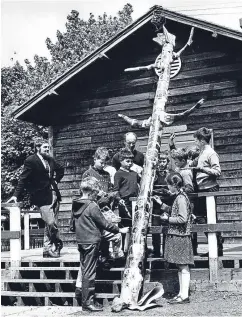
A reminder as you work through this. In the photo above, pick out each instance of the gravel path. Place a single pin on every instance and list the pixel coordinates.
(202, 304)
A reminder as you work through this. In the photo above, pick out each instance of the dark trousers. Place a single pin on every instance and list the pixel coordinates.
(156, 238)
(88, 259)
(126, 218)
(200, 211)
(126, 213)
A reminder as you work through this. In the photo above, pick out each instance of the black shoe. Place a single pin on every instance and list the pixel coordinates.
(179, 300)
(50, 254)
(92, 308)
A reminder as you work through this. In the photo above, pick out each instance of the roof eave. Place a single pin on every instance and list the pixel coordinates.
(83, 64)
(172, 15)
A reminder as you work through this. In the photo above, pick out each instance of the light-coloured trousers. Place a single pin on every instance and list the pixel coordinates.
(49, 214)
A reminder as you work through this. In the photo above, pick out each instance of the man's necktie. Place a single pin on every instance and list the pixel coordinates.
(47, 167)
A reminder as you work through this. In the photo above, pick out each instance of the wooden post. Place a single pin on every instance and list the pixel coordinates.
(212, 240)
(15, 244)
(26, 230)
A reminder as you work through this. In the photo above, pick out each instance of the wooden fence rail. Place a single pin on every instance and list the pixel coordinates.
(14, 235)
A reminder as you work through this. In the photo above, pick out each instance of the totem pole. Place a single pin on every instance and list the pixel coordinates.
(134, 270)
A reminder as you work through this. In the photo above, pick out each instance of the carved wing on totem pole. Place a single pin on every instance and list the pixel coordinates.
(134, 270)
(165, 118)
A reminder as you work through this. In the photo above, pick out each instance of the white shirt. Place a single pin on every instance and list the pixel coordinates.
(43, 162)
(111, 170)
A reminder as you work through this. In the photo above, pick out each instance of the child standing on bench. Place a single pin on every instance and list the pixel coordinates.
(207, 169)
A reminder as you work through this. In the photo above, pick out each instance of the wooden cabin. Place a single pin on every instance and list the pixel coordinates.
(81, 107)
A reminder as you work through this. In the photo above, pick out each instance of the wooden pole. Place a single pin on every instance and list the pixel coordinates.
(15, 244)
(26, 230)
(212, 240)
(135, 267)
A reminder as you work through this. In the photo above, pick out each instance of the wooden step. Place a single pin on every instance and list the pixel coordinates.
(196, 258)
(53, 294)
(39, 281)
(46, 298)
(47, 268)
(58, 268)
(52, 281)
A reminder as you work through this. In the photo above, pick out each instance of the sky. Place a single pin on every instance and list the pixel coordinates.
(25, 25)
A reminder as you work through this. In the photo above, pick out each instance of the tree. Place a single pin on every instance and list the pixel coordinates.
(21, 83)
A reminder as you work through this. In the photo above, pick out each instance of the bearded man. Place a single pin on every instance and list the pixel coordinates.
(40, 177)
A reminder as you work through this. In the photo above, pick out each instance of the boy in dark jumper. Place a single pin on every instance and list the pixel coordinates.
(105, 197)
(88, 222)
(101, 158)
(126, 183)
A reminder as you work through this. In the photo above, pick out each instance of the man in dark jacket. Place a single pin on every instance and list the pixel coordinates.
(40, 176)
(88, 222)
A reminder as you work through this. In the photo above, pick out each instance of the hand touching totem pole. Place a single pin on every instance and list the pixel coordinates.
(134, 269)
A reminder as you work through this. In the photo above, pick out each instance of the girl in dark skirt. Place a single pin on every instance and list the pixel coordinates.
(178, 249)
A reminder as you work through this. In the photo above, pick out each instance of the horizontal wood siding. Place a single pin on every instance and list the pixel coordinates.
(207, 72)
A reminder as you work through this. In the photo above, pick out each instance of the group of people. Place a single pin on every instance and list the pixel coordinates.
(107, 187)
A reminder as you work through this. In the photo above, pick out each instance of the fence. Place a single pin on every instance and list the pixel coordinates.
(30, 239)
(211, 228)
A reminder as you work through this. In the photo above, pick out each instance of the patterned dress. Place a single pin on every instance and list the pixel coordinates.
(178, 249)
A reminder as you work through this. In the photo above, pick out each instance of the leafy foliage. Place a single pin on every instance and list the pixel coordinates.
(21, 83)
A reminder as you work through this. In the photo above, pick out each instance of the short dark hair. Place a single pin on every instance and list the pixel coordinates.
(180, 154)
(174, 179)
(203, 134)
(125, 153)
(102, 153)
(164, 155)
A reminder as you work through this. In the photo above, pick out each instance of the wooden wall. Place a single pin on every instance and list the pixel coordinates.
(212, 69)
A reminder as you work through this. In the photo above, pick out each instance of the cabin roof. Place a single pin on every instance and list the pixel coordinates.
(20, 113)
